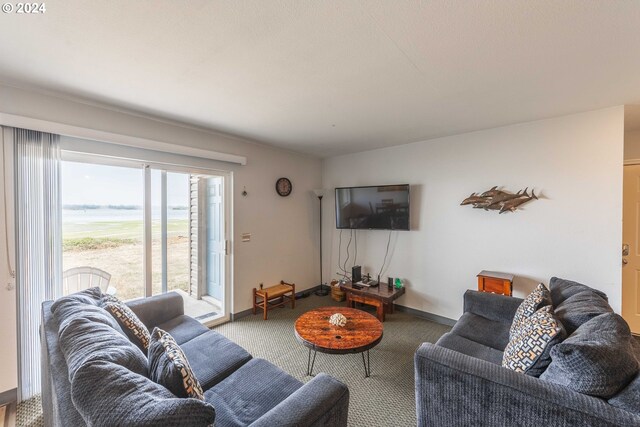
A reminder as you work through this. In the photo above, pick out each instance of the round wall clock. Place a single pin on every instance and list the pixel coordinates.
(284, 187)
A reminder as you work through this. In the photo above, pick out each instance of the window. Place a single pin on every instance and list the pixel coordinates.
(102, 224)
(104, 227)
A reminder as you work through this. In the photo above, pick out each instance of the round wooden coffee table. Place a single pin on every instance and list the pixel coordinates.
(361, 333)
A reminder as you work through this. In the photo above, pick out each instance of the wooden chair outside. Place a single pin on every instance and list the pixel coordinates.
(81, 278)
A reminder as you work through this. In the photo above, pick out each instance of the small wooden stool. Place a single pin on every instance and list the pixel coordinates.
(284, 291)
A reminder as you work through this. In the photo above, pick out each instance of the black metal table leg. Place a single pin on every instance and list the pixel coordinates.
(311, 362)
(367, 365)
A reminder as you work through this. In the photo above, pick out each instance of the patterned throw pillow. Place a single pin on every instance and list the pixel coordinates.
(168, 366)
(131, 325)
(539, 297)
(528, 350)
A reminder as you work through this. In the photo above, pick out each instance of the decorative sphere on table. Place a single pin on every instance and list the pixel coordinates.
(338, 319)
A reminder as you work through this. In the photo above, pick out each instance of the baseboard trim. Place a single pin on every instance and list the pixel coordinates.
(412, 311)
(426, 315)
(299, 295)
(241, 314)
(9, 396)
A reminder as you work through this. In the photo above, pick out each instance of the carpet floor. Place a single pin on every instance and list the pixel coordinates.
(387, 398)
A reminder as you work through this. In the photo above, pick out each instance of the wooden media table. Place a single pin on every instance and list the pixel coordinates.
(381, 297)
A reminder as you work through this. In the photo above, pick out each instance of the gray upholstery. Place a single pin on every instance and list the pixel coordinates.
(105, 391)
(460, 382)
(453, 389)
(325, 392)
(482, 330)
(57, 407)
(107, 394)
(89, 312)
(629, 397)
(211, 367)
(183, 328)
(250, 392)
(91, 296)
(82, 339)
(499, 308)
(597, 359)
(579, 308)
(561, 289)
(470, 348)
(158, 309)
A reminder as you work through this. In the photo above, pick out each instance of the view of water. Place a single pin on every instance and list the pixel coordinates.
(105, 214)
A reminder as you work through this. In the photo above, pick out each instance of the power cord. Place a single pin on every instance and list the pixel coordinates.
(355, 257)
(348, 256)
(344, 273)
(385, 254)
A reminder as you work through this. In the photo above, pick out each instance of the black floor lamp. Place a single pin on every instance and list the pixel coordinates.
(322, 291)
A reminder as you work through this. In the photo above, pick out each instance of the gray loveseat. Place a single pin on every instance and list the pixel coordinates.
(460, 380)
(92, 374)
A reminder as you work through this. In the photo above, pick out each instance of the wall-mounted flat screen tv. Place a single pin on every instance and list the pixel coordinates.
(382, 207)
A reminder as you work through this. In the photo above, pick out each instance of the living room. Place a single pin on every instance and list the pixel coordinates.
(164, 131)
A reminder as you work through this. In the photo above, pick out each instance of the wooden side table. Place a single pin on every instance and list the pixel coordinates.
(285, 292)
(495, 282)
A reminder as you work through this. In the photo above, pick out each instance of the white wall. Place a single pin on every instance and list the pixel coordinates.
(574, 231)
(283, 230)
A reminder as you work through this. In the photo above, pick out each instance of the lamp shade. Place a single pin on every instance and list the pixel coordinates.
(319, 192)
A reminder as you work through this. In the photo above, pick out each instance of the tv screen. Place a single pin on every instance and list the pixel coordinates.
(384, 207)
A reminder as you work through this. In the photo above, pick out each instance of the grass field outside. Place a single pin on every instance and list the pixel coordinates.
(117, 248)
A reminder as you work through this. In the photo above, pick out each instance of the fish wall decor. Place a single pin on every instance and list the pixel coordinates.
(499, 200)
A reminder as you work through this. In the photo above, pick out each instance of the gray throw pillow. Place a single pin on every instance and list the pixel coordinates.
(580, 308)
(561, 289)
(91, 296)
(83, 340)
(597, 359)
(168, 366)
(65, 315)
(106, 394)
(629, 397)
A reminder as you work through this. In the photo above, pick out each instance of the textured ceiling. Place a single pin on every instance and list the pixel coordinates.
(332, 76)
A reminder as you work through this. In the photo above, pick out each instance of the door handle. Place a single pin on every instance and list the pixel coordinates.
(624, 261)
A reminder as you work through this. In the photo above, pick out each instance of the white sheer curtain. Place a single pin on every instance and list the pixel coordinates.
(38, 244)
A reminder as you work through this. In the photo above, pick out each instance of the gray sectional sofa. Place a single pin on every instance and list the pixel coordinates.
(93, 375)
(460, 380)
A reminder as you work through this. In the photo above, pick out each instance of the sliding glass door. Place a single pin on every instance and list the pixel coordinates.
(152, 229)
(102, 227)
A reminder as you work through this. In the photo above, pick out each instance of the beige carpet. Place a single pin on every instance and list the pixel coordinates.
(29, 413)
(385, 399)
